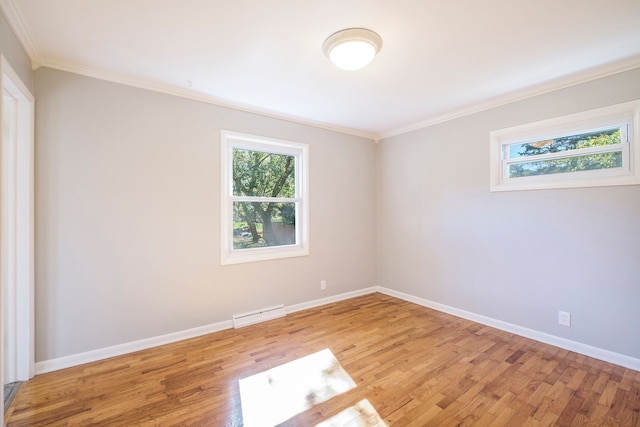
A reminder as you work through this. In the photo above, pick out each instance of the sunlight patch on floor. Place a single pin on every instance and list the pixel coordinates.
(362, 414)
(273, 396)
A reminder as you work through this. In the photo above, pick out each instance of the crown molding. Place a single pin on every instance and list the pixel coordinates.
(19, 26)
(533, 91)
(15, 18)
(579, 77)
(169, 89)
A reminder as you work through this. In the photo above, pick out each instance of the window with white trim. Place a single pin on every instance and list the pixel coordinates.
(593, 148)
(264, 198)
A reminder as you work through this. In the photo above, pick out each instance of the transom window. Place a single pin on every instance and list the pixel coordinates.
(593, 148)
(264, 200)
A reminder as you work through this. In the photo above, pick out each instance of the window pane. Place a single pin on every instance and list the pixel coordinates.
(571, 164)
(257, 225)
(262, 174)
(566, 143)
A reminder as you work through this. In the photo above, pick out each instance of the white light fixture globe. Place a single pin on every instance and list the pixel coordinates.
(353, 48)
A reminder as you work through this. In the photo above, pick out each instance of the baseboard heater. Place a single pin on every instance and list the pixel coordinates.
(262, 315)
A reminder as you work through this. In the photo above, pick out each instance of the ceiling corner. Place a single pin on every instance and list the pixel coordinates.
(15, 18)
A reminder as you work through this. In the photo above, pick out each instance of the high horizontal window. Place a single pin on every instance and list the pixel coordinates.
(264, 198)
(593, 148)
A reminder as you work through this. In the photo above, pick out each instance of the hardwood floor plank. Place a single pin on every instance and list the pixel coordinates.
(416, 366)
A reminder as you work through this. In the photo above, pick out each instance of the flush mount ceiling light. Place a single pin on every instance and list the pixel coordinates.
(353, 48)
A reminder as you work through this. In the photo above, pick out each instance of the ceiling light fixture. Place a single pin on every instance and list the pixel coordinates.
(353, 48)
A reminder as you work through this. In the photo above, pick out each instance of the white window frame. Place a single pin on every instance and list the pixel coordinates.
(625, 115)
(230, 140)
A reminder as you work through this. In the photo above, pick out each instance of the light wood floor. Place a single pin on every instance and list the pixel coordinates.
(416, 366)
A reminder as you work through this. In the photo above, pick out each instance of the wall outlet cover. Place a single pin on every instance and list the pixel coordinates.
(564, 318)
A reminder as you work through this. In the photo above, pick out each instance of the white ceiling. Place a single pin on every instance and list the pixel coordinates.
(440, 58)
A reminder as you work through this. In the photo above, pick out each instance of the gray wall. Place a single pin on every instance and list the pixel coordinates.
(12, 50)
(128, 216)
(521, 256)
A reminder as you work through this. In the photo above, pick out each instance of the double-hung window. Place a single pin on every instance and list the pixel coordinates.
(264, 198)
(593, 148)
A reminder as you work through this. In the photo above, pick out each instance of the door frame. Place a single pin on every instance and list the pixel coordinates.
(17, 231)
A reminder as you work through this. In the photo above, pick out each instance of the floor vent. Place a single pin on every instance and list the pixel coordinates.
(10, 391)
(262, 315)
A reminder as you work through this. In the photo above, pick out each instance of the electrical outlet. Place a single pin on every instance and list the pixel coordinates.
(323, 285)
(564, 318)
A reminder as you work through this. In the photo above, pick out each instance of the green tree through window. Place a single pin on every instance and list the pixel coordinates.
(262, 174)
(570, 144)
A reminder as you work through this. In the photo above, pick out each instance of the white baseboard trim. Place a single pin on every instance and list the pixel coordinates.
(587, 350)
(120, 349)
(130, 347)
(331, 299)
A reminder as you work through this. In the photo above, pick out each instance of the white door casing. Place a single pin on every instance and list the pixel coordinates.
(16, 228)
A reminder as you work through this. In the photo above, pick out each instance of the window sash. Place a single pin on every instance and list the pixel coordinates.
(623, 128)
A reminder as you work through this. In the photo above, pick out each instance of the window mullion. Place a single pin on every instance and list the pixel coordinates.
(265, 199)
